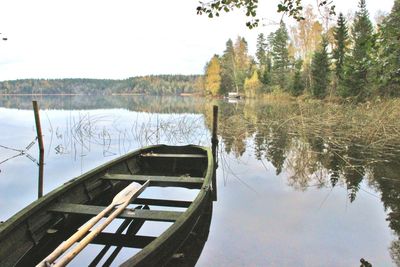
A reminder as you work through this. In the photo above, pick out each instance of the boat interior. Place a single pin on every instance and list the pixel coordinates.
(178, 176)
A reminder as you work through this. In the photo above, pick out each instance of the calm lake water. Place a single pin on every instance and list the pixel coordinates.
(291, 192)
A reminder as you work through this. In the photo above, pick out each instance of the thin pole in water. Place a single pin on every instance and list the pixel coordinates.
(214, 142)
(41, 147)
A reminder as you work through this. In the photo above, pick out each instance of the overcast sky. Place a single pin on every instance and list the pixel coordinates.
(123, 38)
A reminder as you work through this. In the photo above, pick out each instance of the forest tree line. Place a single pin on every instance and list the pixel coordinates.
(350, 59)
(151, 85)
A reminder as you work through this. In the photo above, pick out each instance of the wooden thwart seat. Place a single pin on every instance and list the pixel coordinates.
(123, 240)
(159, 155)
(182, 181)
(162, 202)
(148, 215)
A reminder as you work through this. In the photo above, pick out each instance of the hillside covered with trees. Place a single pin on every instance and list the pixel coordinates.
(151, 85)
(351, 58)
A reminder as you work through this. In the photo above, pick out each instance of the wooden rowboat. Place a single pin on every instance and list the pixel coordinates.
(36, 231)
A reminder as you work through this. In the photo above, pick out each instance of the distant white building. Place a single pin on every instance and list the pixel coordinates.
(233, 95)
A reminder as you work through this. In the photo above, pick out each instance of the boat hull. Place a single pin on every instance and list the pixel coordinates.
(34, 232)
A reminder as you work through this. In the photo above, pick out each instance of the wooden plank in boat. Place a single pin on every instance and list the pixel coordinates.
(191, 182)
(122, 240)
(162, 155)
(162, 202)
(149, 215)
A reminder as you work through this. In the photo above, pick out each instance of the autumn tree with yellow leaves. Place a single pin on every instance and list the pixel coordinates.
(212, 82)
(252, 85)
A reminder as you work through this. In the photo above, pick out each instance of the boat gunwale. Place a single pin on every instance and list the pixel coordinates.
(200, 199)
(14, 221)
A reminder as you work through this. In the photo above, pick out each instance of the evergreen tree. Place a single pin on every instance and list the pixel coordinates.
(320, 70)
(212, 82)
(388, 54)
(280, 55)
(228, 69)
(359, 62)
(261, 53)
(264, 60)
(341, 36)
(265, 75)
(298, 83)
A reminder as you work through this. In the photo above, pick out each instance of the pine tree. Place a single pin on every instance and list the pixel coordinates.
(228, 69)
(265, 75)
(320, 70)
(341, 36)
(359, 62)
(264, 61)
(280, 55)
(212, 76)
(298, 83)
(261, 53)
(388, 54)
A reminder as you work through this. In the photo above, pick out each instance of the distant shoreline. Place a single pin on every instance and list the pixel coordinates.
(113, 94)
(39, 94)
(67, 94)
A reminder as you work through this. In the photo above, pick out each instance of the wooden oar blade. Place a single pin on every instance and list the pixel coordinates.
(122, 199)
(130, 192)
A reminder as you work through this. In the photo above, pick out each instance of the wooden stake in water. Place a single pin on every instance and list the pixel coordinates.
(214, 142)
(41, 147)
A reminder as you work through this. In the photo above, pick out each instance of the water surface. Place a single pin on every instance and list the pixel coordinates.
(291, 191)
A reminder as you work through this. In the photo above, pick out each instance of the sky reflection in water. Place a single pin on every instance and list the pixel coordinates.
(269, 212)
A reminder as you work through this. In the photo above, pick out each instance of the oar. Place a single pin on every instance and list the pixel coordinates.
(122, 199)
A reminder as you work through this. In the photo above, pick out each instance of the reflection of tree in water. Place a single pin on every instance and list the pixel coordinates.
(236, 142)
(323, 145)
(141, 103)
(313, 142)
(386, 179)
(275, 147)
(301, 165)
(353, 171)
(233, 127)
(334, 164)
(395, 252)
